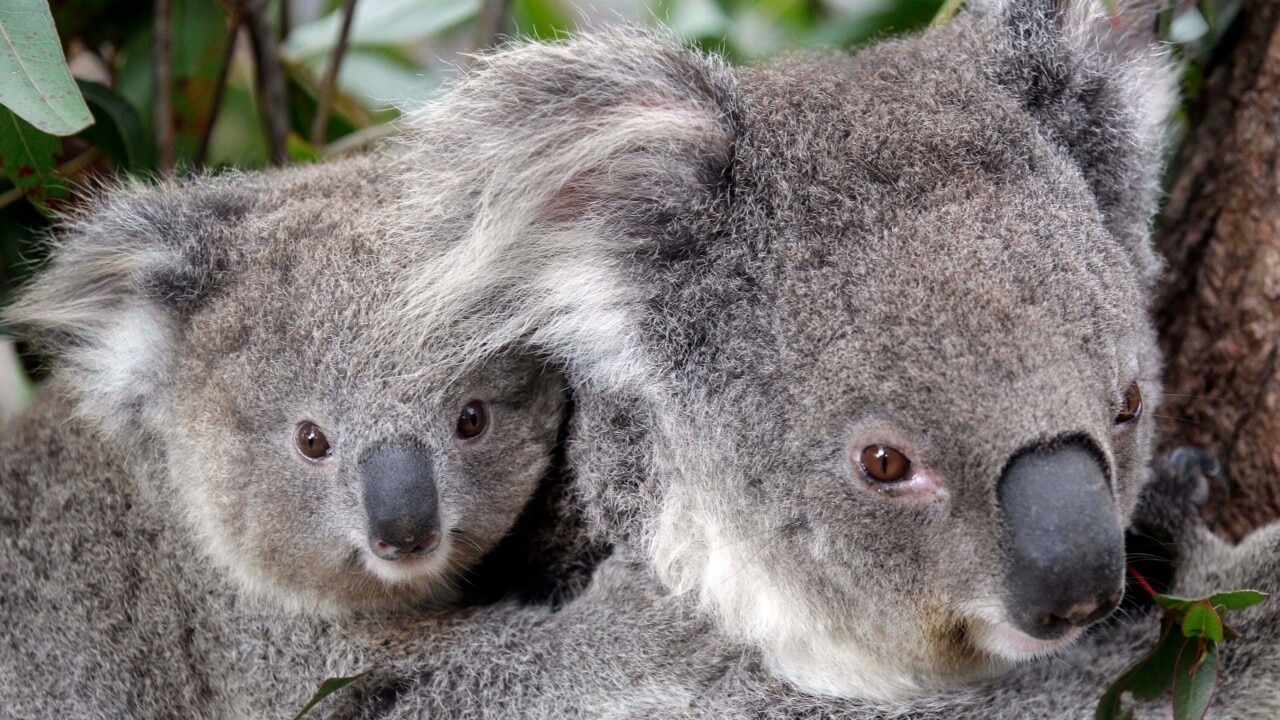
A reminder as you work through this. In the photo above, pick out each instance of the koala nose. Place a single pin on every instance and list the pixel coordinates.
(400, 501)
(1065, 540)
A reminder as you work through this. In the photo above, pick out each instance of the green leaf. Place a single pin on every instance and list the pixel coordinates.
(1238, 600)
(1152, 675)
(117, 130)
(327, 688)
(1194, 678)
(37, 84)
(28, 157)
(1202, 620)
(1173, 602)
(383, 23)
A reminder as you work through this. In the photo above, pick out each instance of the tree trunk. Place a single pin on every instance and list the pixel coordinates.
(1219, 309)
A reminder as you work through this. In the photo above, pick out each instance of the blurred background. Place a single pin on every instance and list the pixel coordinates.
(98, 88)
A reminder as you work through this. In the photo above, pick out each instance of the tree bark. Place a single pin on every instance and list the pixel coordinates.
(1219, 308)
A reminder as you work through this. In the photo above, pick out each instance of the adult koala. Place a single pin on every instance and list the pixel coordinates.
(860, 343)
(222, 415)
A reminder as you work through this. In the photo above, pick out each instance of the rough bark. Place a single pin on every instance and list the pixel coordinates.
(1219, 309)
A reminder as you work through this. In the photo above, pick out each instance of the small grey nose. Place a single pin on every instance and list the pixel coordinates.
(1065, 543)
(401, 502)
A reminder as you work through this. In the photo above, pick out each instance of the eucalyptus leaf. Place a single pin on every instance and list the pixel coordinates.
(28, 157)
(1238, 600)
(327, 688)
(118, 130)
(1202, 620)
(382, 23)
(37, 84)
(1194, 679)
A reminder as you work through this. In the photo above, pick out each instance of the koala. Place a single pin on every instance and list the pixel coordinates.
(224, 433)
(859, 344)
(628, 648)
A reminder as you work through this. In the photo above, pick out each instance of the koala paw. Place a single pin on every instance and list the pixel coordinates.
(1170, 505)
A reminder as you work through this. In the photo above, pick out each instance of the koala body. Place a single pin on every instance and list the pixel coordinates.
(628, 648)
(859, 344)
(221, 408)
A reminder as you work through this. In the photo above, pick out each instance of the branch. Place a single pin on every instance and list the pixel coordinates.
(271, 93)
(490, 22)
(360, 138)
(221, 88)
(162, 103)
(320, 126)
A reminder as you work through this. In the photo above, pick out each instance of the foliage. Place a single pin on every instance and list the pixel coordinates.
(327, 688)
(1184, 658)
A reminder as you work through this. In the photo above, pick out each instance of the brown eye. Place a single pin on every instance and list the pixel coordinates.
(473, 419)
(312, 443)
(884, 464)
(1132, 406)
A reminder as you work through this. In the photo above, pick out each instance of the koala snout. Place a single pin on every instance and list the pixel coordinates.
(400, 501)
(1065, 540)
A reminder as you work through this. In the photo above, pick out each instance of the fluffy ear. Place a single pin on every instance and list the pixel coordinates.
(1102, 88)
(542, 167)
(122, 277)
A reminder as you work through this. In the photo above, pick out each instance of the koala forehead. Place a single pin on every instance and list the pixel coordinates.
(901, 233)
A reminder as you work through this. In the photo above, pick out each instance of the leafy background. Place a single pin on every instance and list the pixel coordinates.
(246, 83)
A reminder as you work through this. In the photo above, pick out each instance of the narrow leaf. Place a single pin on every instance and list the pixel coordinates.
(28, 156)
(117, 130)
(1152, 675)
(1173, 602)
(327, 688)
(1194, 679)
(1203, 621)
(37, 84)
(1238, 600)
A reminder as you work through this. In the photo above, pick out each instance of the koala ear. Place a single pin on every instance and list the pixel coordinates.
(1102, 89)
(122, 277)
(550, 162)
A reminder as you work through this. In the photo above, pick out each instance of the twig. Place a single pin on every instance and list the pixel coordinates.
(163, 90)
(360, 138)
(271, 93)
(286, 20)
(320, 126)
(66, 169)
(946, 12)
(221, 88)
(490, 22)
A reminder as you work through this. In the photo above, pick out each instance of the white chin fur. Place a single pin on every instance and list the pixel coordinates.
(408, 570)
(992, 633)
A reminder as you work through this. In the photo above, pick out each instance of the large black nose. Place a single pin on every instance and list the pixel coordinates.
(1065, 541)
(400, 501)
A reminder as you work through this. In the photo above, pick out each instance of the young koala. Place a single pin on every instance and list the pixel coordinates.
(860, 345)
(220, 399)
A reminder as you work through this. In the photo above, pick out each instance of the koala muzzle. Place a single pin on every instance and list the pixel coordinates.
(1065, 543)
(400, 501)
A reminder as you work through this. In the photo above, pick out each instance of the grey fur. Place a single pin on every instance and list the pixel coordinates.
(153, 503)
(939, 243)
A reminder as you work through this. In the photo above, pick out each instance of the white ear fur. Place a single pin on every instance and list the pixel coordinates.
(94, 308)
(550, 173)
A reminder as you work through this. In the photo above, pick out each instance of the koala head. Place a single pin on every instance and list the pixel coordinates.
(233, 322)
(861, 342)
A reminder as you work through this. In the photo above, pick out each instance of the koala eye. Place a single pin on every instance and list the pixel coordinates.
(1131, 409)
(312, 443)
(472, 420)
(884, 464)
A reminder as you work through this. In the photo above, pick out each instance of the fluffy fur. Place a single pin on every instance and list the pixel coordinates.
(196, 325)
(940, 243)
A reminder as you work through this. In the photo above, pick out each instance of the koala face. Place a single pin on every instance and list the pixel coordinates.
(874, 326)
(238, 322)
